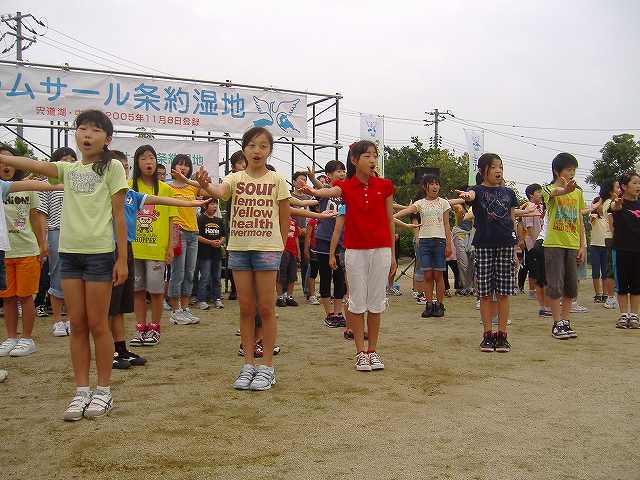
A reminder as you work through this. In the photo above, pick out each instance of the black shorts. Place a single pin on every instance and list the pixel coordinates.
(313, 266)
(535, 263)
(288, 269)
(627, 272)
(122, 295)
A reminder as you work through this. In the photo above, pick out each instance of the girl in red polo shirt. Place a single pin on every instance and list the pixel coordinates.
(369, 244)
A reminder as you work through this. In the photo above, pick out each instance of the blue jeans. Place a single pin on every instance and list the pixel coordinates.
(184, 266)
(209, 276)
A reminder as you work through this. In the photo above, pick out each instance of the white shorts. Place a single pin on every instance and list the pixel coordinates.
(367, 274)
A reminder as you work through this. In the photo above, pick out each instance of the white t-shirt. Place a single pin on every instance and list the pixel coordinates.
(4, 233)
(431, 217)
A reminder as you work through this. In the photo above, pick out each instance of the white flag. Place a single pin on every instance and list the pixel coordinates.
(475, 148)
(372, 129)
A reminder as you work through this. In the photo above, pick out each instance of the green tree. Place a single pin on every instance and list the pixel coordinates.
(400, 164)
(23, 148)
(619, 155)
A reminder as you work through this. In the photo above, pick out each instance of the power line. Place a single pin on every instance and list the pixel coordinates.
(513, 125)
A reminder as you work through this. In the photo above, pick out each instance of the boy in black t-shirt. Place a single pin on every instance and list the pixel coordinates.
(210, 241)
(626, 230)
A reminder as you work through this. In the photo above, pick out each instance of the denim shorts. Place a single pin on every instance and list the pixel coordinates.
(431, 254)
(53, 241)
(253, 260)
(90, 267)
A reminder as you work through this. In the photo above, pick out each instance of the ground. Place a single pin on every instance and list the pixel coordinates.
(440, 409)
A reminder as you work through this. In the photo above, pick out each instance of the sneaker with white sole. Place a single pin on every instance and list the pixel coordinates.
(610, 303)
(151, 338)
(559, 331)
(101, 404)
(218, 303)
(265, 377)
(623, 321)
(24, 347)
(138, 339)
(41, 311)
(634, 321)
(68, 325)
(203, 306)
(313, 300)
(8, 345)
(60, 329)
(362, 362)
(375, 361)
(570, 331)
(575, 308)
(77, 406)
(190, 316)
(179, 318)
(3, 375)
(246, 376)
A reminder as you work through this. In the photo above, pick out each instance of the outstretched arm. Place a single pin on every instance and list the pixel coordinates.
(406, 211)
(296, 202)
(30, 165)
(222, 190)
(34, 186)
(175, 202)
(301, 212)
(323, 192)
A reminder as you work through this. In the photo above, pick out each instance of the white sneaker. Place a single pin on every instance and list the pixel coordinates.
(101, 404)
(68, 324)
(24, 347)
(60, 329)
(218, 303)
(246, 376)
(75, 409)
(362, 362)
(265, 377)
(203, 305)
(313, 300)
(8, 345)
(189, 315)
(375, 361)
(3, 375)
(179, 318)
(575, 308)
(611, 303)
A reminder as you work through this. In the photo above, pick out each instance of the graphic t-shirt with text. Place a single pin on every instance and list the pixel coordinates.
(255, 215)
(564, 218)
(211, 228)
(17, 207)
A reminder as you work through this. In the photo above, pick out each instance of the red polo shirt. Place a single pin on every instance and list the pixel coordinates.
(366, 224)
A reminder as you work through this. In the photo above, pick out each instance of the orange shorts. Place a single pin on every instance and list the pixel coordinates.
(23, 277)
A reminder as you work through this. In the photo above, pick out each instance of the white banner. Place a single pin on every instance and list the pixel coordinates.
(475, 148)
(35, 93)
(372, 128)
(202, 153)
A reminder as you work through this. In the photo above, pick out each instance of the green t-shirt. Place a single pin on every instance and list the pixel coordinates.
(87, 218)
(17, 207)
(152, 225)
(564, 218)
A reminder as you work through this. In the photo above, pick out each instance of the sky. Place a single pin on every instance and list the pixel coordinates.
(546, 64)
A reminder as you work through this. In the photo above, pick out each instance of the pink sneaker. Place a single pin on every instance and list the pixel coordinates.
(138, 339)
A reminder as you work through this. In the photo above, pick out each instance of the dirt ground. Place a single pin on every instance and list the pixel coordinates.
(441, 408)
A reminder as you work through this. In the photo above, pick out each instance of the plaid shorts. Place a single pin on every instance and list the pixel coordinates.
(495, 270)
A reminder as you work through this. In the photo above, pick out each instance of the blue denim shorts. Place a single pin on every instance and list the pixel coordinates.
(90, 267)
(431, 254)
(253, 260)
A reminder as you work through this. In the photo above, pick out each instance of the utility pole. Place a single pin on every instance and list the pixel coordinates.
(438, 117)
(15, 26)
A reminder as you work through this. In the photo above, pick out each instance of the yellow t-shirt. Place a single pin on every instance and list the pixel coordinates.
(87, 219)
(186, 218)
(255, 216)
(152, 225)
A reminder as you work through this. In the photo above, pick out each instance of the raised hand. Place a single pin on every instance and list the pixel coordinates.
(202, 177)
(466, 196)
(179, 176)
(308, 190)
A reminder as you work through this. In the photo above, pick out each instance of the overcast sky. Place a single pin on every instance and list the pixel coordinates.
(567, 64)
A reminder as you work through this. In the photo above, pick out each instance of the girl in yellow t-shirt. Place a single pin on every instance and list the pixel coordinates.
(184, 264)
(257, 232)
(153, 248)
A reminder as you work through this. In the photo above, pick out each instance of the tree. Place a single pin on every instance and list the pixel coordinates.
(619, 156)
(23, 148)
(400, 164)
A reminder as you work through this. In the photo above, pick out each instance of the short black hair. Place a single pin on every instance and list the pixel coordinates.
(333, 165)
(430, 178)
(118, 155)
(252, 133)
(298, 174)
(183, 159)
(61, 152)
(562, 161)
(531, 189)
(237, 157)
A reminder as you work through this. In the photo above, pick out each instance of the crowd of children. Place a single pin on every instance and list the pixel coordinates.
(108, 246)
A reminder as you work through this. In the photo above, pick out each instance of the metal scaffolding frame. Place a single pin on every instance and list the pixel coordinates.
(322, 109)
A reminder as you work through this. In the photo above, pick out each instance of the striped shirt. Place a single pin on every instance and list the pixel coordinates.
(51, 206)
